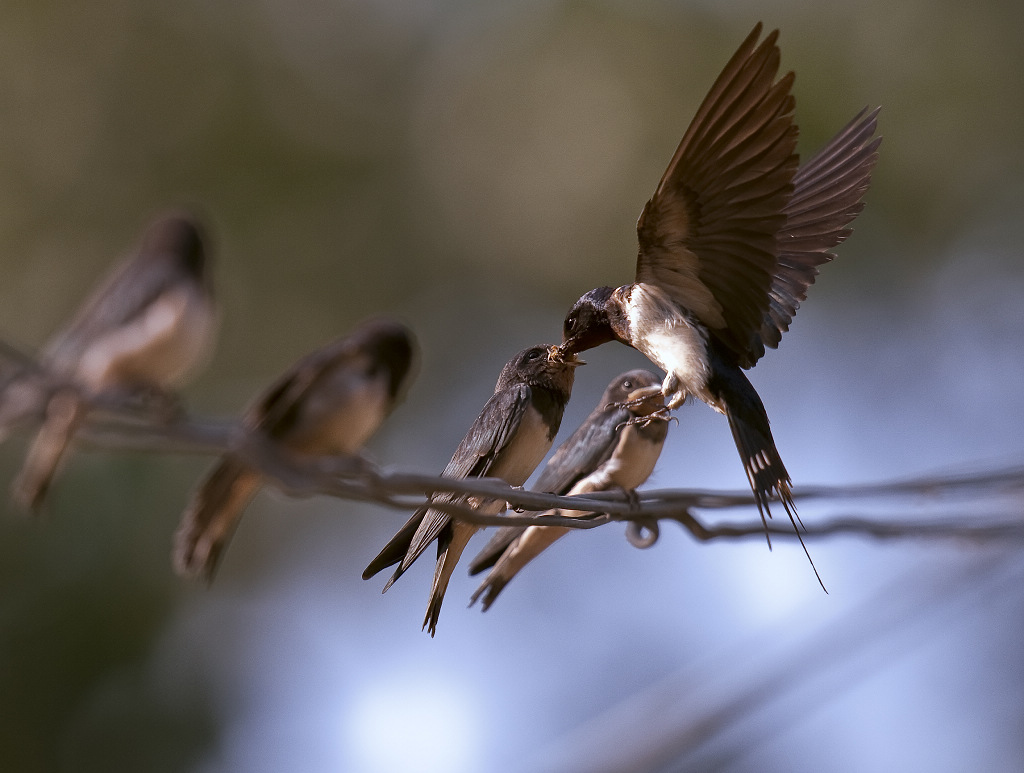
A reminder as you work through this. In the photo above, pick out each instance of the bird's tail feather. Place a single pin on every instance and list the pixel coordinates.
(212, 516)
(449, 551)
(766, 473)
(64, 413)
(530, 544)
(495, 548)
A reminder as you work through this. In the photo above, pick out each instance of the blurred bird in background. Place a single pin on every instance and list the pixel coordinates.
(728, 245)
(607, 451)
(329, 402)
(148, 326)
(508, 440)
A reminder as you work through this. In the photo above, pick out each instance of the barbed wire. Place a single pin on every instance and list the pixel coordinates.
(133, 424)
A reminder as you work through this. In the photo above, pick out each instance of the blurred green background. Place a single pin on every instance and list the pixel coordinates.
(472, 168)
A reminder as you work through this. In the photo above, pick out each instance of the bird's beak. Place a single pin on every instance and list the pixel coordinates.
(557, 354)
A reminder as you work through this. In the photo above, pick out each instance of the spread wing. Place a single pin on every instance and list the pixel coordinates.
(708, 236)
(828, 194)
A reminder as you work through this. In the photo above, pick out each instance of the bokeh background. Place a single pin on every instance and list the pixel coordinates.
(472, 168)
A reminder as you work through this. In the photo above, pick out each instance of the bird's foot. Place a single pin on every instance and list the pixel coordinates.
(661, 414)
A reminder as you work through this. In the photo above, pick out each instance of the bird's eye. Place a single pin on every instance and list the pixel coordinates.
(570, 323)
(533, 355)
(627, 384)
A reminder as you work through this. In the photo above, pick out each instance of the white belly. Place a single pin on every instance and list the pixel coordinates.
(341, 414)
(660, 329)
(521, 457)
(630, 464)
(159, 348)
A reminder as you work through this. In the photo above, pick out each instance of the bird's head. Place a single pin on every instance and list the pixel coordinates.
(589, 322)
(544, 366)
(630, 384)
(391, 348)
(178, 236)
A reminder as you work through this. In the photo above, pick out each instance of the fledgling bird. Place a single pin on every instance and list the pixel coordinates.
(142, 331)
(508, 440)
(728, 245)
(607, 451)
(329, 402)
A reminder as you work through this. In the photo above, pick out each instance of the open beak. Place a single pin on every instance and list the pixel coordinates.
(556, 354)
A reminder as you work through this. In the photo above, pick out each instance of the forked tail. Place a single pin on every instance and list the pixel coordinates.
(766, 473)
(64, 413)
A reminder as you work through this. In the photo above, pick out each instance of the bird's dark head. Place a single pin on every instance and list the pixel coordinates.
(624, 385)
(391, 348)
(590, 321)
(176, 236)
(541, 366)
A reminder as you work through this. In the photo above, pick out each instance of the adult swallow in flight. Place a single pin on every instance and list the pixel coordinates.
(508, 440)
(728, 245)
(142, 331)
(329, 402)
(608, 451)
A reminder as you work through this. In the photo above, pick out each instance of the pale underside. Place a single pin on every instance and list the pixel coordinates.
(660, 329)
(170, 339)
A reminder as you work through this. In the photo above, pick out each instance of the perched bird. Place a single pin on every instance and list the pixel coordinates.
(508, 440)
(608, 451)
(728, 245)
(140, 333)
(329, 402)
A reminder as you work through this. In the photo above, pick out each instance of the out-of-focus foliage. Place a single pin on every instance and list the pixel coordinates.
(471, 168)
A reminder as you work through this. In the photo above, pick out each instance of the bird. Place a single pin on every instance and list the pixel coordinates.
(144, 329)
(508, 440)
(329, 402)
(607, 451)
(729, 243)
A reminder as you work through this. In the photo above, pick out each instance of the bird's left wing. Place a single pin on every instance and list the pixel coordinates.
(494, 429)
(708, 236)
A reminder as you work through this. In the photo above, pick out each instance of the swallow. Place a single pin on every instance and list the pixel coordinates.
(143, 330)
(508, 440)
(330, 402)
(728, 245)
(607, 451)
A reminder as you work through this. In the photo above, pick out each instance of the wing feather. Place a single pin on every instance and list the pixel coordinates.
(493, 430)
(708, 236)
(828, 194)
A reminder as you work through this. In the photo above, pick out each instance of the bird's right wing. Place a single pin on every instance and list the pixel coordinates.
(828, 194)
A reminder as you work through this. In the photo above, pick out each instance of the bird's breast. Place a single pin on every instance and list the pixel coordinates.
(669, 337)
(170, 339)
(341, 414)
(515, 463)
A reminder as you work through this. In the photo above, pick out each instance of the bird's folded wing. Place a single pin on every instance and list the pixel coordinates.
(275, 409)
(494, 429)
